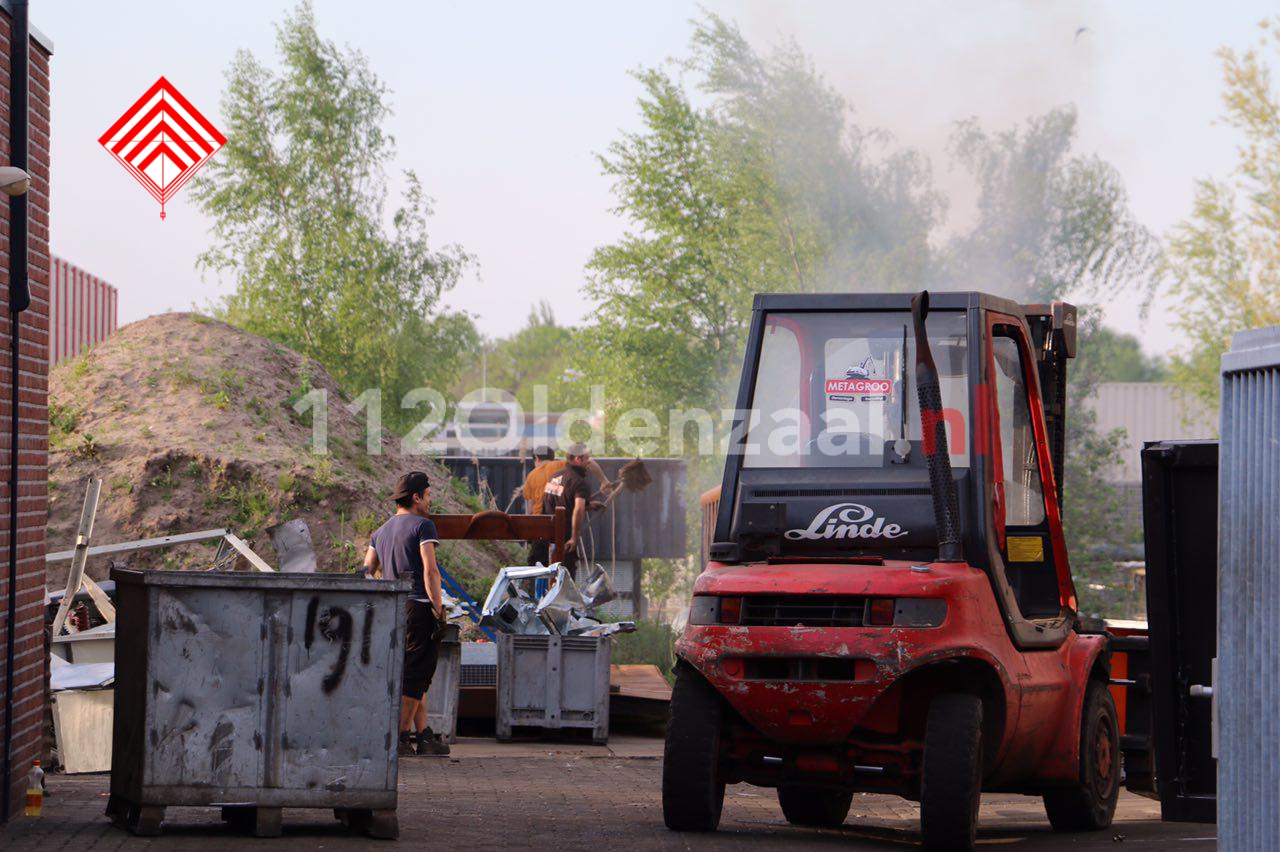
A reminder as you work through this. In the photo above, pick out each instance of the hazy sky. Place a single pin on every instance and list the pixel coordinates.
(501, 108)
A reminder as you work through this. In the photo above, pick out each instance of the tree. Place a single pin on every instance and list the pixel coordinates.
(1050, 225)
(1224, 261)
(768, 187)
(542, 353)
(297, 197)
(1108, 355)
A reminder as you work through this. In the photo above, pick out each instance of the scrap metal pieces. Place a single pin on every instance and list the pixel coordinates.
(514, 604)
(510, 605)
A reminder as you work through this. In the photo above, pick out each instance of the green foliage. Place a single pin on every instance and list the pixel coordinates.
(165, 480)
(366, 523)
(464, 496)
(1112, 356)
(541, 353)
(653, 643)
(664, 579)
(81, 366)
(768, 187)
(63, 420)
(1050, 225)
(87, 448)
(1223, 260)
(297, 197)
(249, 506)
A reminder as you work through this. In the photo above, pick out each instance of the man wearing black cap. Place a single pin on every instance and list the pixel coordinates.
(569, 490)
(405, 546)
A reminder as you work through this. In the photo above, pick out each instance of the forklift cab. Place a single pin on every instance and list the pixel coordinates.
(828, 460)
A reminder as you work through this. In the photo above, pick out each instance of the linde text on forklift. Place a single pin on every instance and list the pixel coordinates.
(846, 520)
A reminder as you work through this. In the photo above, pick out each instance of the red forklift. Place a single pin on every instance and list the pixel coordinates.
(888, 605)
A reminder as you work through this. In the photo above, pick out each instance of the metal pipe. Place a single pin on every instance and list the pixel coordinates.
(933, 433)
(19, 301)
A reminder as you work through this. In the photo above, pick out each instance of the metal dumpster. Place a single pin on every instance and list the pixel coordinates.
(255, 692)
(553, 682)
(442, 695)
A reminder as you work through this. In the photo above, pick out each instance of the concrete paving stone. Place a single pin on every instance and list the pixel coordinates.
(565, 796)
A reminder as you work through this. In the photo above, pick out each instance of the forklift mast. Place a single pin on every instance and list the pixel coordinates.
(1053, 334)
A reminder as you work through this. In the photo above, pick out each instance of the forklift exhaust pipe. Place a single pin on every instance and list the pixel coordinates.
(933, 433)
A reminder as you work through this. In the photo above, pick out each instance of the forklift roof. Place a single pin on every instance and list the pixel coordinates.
(938, 301)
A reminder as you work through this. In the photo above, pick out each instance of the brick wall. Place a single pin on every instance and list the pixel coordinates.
(33, 494)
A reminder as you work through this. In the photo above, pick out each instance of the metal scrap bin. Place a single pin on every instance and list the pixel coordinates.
(442, 695)
(255, 692)
(553, 682)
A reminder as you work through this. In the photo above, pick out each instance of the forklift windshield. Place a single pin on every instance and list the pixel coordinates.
(837, 389)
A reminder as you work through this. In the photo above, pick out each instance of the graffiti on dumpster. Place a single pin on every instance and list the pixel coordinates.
(335, 624)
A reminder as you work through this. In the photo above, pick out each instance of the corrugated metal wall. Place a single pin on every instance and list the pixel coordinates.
(1147, 411)
(645, 524)
(82, 310)
(1248, 688)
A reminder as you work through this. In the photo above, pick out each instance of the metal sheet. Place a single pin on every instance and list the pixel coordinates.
(1146, 411)
(1247, 691)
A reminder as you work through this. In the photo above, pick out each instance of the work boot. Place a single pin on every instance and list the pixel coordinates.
(431, 744)
(406, 745)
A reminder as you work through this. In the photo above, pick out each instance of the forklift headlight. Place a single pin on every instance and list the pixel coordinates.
(919, 612)
(709, 609)
(705, 609)
(906, 612)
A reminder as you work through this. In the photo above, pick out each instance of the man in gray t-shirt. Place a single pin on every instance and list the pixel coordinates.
(405, 546)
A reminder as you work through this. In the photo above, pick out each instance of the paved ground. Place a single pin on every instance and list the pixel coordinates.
(544, 796)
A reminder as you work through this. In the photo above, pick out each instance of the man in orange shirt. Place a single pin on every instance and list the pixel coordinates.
(535, 485)
(545, 465)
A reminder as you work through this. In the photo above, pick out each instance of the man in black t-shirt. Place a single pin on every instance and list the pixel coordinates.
(405, 546)
(569, 489)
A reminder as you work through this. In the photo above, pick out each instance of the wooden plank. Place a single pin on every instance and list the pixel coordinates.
(242, 547)
(640, 681)
(502, 526)
(76, 573)
(140, 544)
(105, 608)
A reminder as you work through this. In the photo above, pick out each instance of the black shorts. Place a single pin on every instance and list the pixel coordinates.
(421, 652)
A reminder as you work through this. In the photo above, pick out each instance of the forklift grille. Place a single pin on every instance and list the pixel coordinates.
(809, 610)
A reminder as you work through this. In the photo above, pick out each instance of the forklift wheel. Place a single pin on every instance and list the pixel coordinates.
(1090, 805)
(951, 774)
(692, 792)
(816, 807)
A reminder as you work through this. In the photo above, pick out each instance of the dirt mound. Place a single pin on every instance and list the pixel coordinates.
(190, 424)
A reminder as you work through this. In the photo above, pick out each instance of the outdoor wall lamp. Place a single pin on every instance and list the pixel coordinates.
(14, 181)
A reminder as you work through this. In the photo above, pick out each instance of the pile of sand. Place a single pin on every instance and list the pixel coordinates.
(190, 424)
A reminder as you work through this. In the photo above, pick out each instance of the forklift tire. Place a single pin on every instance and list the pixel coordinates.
(1090, 805)
(951, 772)
(692, 792)
(815, 807)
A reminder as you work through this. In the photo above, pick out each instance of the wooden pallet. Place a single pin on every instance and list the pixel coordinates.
(148, 820)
